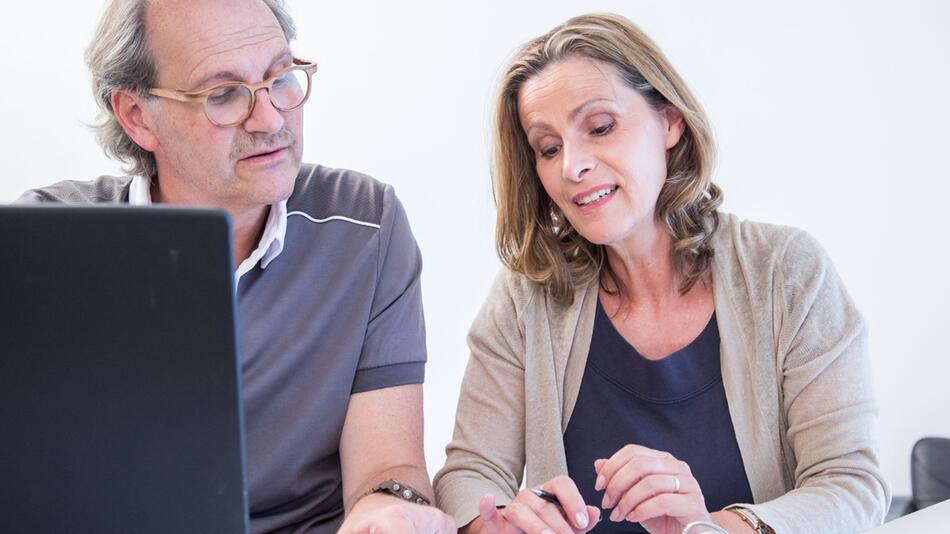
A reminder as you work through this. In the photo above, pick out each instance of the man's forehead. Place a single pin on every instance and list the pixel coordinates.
(194, 39)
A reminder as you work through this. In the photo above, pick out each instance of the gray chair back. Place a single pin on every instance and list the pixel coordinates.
(930, 472)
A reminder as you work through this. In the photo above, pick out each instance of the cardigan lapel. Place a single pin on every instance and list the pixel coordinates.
(743, 372)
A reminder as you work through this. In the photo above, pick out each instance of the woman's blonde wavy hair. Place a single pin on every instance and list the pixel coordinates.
(533, 237)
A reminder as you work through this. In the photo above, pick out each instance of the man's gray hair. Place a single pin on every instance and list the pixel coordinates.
(119, 58)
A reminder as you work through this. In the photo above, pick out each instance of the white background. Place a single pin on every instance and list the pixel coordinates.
(830, 116)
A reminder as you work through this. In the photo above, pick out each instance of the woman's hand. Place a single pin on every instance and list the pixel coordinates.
(650, 487)
(533, 515)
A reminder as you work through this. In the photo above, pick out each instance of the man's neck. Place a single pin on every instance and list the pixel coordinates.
(247, 228)
(247, 223)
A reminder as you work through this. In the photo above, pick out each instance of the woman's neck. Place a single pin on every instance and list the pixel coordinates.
(642, 269)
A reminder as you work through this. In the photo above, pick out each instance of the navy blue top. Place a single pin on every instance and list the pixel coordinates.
(676, 404)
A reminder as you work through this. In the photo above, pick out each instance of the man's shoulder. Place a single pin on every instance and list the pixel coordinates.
(322, 193)
(105, 189)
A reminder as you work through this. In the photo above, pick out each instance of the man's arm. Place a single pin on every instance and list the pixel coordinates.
(382, 439)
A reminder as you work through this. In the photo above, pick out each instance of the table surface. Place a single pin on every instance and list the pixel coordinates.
(935, 518)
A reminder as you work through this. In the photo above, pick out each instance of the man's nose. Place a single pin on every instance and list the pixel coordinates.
(264, 117)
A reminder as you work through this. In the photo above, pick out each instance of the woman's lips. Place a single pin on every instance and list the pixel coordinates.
(594, 197)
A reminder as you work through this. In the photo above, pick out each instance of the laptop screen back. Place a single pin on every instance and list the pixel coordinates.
(119, 379)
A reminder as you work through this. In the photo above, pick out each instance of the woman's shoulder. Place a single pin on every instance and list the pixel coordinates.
(516, 296)
(514, 288)
(740, 242)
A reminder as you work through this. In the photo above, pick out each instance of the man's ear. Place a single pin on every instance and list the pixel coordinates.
(674, 125)
(129, 109)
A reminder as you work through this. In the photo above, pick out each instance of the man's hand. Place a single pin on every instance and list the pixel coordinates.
(385, 514)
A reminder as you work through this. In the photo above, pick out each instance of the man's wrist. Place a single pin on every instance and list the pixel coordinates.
(395, 489)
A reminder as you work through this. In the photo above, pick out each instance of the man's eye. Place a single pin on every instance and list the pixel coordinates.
(222, 96)
(283, 79)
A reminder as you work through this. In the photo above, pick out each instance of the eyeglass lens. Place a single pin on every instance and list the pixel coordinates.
(232, 103)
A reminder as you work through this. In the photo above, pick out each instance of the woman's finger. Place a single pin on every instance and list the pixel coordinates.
(621, 458)
(522, 516)
(651, 486)
(635, 470)
(685, 507)
(494, 522)
(593, 513)
(571, 500)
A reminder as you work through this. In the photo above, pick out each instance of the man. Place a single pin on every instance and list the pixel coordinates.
(332, 336)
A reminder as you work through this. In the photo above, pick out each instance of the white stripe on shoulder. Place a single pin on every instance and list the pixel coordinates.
(334, 218)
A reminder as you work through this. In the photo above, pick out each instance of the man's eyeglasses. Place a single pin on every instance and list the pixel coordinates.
(231, 103)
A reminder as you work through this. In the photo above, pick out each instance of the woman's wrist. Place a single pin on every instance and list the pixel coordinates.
(731, 522)
(475, 526)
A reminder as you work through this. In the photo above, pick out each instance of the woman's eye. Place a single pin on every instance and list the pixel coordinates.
(602, 129)
(549, 152)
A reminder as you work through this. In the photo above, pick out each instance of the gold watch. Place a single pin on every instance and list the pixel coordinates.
(748, 517)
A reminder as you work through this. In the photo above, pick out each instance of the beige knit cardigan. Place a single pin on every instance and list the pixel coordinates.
(795, 369)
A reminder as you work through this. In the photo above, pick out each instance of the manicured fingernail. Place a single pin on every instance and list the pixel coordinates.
(615, 515)
(632, 517)
(601, 482)
(606, 503)
(581, 519)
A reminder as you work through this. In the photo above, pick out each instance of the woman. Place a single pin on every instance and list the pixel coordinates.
(645, 356)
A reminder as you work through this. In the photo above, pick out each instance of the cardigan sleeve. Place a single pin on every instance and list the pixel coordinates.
(827, 401)
(487, 451)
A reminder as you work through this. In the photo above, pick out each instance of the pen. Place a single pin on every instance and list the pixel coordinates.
(550, 497)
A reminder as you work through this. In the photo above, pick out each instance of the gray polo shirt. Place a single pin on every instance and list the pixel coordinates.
(338, 311)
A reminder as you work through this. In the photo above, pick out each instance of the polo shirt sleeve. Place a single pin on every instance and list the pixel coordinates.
(394, 348)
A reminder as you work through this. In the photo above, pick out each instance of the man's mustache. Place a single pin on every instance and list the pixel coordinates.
(258, 143)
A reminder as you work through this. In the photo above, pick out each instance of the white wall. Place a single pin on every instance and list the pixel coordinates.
(830, 116)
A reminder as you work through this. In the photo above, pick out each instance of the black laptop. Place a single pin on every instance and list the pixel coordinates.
(120, 404)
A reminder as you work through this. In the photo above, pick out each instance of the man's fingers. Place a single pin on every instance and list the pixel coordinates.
(448, 525)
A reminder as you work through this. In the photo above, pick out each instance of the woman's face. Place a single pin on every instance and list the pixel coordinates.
(600, 148)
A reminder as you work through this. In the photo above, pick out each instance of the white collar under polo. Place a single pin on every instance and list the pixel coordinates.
(268, 248)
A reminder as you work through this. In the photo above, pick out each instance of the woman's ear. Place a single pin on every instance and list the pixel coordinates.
(674, 125)
(129, 109)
